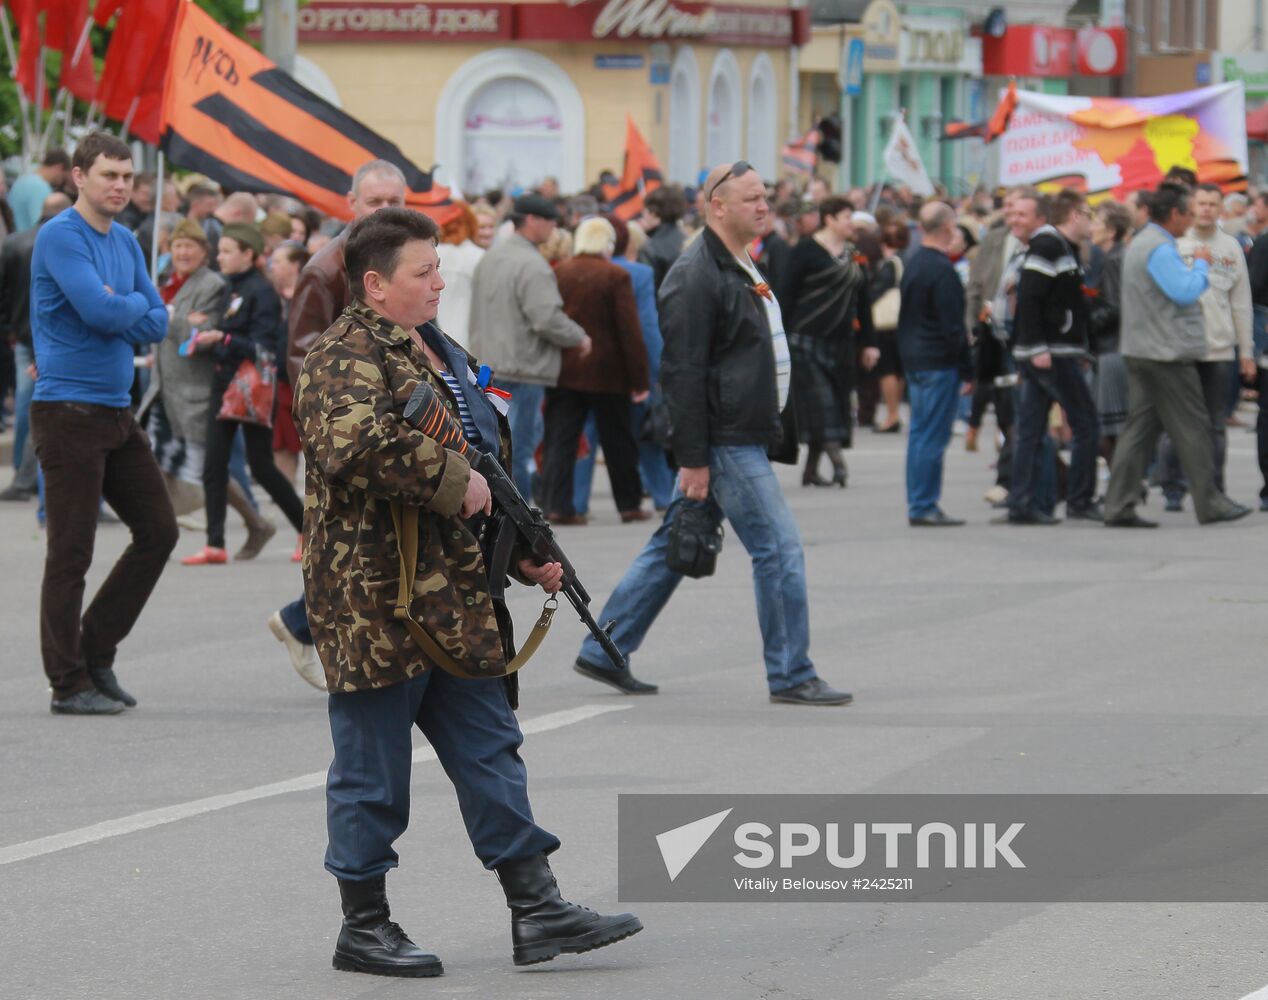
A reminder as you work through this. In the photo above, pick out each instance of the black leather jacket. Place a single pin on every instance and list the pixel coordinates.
(718, 367)
(663, 247)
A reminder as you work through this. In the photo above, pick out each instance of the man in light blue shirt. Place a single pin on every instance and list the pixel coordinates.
(92, 303)
(27, 195)
(1163, 338)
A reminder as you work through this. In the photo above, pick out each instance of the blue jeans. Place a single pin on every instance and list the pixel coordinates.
(23, 358)
(470, 725)
(934, 399)
(525, 417)
(1063, 383)
(743, 485)
(653, 466)
(295, 618)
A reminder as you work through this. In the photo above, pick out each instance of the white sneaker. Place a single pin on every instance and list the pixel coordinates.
(995, 495)
(303, 657)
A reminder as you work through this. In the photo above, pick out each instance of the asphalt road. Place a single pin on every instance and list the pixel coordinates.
(983, 659)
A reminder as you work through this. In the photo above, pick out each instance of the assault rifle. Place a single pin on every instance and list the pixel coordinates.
(515, 518)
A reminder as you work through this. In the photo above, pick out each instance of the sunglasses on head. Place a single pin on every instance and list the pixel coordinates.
(738, 169)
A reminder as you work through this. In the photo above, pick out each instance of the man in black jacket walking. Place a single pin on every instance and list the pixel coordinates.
(725, 375)
(1051, 345)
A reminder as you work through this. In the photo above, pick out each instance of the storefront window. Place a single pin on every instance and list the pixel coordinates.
(512, 137)
(761, 117)
(684, 117)
(724, 110)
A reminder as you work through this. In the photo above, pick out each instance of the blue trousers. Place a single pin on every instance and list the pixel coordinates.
(295, 618)
(470, 725)
(743, 485)
(527, 425)
(934, 400)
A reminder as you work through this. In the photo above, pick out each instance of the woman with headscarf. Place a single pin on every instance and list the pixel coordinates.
(828, 300)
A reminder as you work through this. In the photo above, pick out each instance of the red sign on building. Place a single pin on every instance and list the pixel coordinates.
(1038, 50)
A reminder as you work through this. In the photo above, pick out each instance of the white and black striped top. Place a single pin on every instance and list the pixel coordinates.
(464, 412)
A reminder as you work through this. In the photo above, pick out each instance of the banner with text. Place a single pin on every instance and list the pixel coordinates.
(1111, 146)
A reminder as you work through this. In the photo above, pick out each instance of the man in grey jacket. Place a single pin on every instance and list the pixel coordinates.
(1163, 335)
(1227, 315)
(519, 328)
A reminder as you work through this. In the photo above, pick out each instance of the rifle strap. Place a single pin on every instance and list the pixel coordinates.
(405, 520)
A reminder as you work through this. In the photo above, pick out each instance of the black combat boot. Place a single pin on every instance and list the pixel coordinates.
(543, 924)
(370, 941)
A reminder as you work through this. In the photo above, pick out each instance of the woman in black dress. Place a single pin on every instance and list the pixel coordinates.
(826, 291)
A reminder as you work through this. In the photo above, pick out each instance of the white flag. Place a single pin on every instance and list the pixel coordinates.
(902, 161)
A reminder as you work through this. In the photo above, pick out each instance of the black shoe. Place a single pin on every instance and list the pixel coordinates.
(1174, 505)
(841, 475)
(85, 703)
(813, 692)
(1031, 516)
(1084, 512)
(1234, 512)
(16, 494)
(622, 680)
(543, 924)
(937, 519)
(895, 428)
(104, 680)
(370, 941)
(1263, 505)
(1132, 520)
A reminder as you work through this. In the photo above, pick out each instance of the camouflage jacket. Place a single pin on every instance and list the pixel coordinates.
(361, 456)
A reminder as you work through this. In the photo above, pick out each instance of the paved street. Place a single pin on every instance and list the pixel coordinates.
(983, 659)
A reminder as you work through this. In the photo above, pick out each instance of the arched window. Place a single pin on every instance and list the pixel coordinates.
(684, 117)
(509, 117)
(762, 114)
(724, 113)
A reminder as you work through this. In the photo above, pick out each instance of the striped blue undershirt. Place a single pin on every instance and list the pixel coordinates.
(464, 412)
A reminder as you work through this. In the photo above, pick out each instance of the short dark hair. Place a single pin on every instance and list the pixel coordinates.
(1181, 175)
(1116, 217)
(1211, 189)
(375, 242)
(145, 177)
(1169, 197)
(295, 252)
(56, 158)
(96, 144)
(1043, 204)
(896, 235)
(833, 205)
(1065, 203)
(668, 203)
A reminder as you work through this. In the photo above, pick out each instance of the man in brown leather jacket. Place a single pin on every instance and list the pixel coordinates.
(371, 477)
(320, 296)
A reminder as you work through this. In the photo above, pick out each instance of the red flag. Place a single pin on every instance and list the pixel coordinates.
(136, 62)
(999, 121)
(27, 15)
(65, 25)
(799, 155)
(640, 177)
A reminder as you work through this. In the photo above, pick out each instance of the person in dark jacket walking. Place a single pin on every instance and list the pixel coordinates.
(662, 209)
(725, 373)
(934, 346)
(606, 380)
(1051, 346)
(249, 331)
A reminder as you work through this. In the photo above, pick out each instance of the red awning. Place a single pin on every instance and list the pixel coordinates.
(1257, 124)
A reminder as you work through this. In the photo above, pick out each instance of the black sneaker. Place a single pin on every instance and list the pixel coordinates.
(1084, 512)
(813, 692)
(104, 680)
(85, 703)
(622, 680)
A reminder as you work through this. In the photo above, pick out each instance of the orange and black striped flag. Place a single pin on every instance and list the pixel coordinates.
(231, 114)
(641, 176)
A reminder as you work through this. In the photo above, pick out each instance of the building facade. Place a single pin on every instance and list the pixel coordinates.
(505, 94)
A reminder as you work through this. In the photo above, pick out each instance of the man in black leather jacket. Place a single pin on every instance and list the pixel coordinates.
(725, 375)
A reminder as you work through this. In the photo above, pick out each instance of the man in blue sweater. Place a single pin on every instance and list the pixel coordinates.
(92, 303)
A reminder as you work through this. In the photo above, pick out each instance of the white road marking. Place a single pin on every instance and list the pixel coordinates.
(1257, 995)
(305, 782)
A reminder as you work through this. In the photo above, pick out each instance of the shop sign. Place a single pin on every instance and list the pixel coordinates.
(398, 22)
(882, 31)
(936, 44)
(852, 67)
(1251, 68)
(591, 20)
(1030, 50)
(1101, 51)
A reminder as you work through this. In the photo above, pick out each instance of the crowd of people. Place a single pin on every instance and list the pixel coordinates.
(714, 335)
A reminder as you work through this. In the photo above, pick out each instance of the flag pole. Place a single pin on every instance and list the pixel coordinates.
(158, 218)
(37, 112)
(127, 119)
(22, 102)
